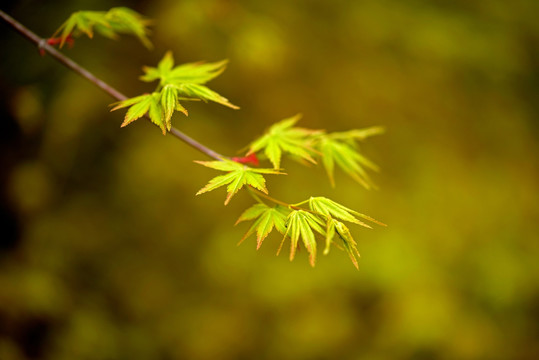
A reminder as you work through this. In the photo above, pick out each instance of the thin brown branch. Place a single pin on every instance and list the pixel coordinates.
(66, 61)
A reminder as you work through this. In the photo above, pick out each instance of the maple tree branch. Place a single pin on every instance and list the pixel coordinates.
(66, 61)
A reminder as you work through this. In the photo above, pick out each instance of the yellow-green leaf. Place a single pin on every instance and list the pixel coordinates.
(127, 21)
(238, 176)
(188, 79)
(204, 93)
(283, 137)
(348, 159)
(266, 220)
(116, 20)
(156, 113)
(170, 103)
(137, 111)
(301, 223)
(197, 73)
(348, 242)
(331, 208)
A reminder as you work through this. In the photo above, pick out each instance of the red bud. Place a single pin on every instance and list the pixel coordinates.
(251, 159)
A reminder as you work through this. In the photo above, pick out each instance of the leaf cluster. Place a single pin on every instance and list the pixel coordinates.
(184, 82)
(118, 20)
(323, 216)
(338, 148)
(187, 82)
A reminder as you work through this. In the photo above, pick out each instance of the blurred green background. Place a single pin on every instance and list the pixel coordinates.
(107, 254)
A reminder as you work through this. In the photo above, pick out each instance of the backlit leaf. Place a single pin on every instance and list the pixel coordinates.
(116, 20)
(267, 218)
(283, 137)
(138, 109)
(204, 93)
(331, 208)
(188, 78)
(197, 73)
(348, 242)
(127, 21)
(347, 158)
(156, 113)
(238, 176)
(162, 71)
(170, 103)
(301, 223)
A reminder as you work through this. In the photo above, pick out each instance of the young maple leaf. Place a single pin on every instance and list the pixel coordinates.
(348, 242)
(126, 21)
(238, 175)
(267, 218)
(140, 105)
(332, 211)
(188, 79)
(281, 138)
(330, 208)
(301, 223)
(348, 159)
(108, 24)
(341, 148)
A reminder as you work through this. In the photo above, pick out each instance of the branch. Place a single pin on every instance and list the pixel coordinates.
(66, 61)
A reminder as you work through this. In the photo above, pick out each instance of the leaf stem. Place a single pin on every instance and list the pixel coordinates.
(257, 192)
(66, 61)
(301, 203)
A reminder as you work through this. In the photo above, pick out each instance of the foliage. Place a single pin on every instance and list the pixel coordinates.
(281, 138)
(115, 253)
(339, 148)
(292, 221)
(187, 82)
(238, 176)
(267, 218)
(343, 150)
(183, 82)
(107, 23)
(295, 222)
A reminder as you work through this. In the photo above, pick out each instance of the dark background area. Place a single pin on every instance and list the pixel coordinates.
(106, 253)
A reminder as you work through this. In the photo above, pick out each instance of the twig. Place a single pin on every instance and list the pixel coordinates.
(66, 61)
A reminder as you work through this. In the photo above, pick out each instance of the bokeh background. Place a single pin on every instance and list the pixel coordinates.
(107, 254)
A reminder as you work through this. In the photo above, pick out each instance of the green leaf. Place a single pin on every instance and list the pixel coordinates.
(331, 208)
(266, 220)
(358, 134)
(188, 78)
(170, 103)
(281, 138)
(348, 242)
(139, 106)
(156, 113)
(237, 177)
(190, 73)
(252, 213)
(333, 211)
(301, 223)
(204, 93)
(127, 21)
(197, 73)
(162, 71)
(161, 105)
(346, 156)
(122, 20)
